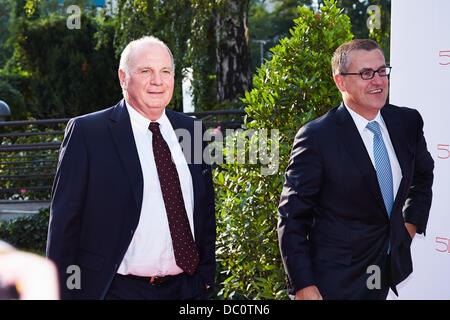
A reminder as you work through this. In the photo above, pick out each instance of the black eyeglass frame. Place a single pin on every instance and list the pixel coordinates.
(388, 72)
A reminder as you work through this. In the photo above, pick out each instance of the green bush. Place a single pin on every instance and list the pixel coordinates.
(293, 88)
(27, 233)
(72, 73)
(12, 97)
(15, 91)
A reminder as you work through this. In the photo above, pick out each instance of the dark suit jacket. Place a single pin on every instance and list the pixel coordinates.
(332, 220)
(97, 197)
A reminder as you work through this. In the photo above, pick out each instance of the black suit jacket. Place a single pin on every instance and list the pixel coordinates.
(97, 197)
(332, 220)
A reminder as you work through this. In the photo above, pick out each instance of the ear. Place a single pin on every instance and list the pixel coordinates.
(339, 81)
(122, 79)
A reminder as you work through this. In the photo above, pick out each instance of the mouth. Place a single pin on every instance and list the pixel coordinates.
(375, 91)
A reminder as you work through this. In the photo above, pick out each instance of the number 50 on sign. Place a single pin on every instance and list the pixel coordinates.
(443, 151)
(443, 244)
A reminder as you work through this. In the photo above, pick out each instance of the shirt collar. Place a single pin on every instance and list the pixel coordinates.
(362, 122)
(141, 122)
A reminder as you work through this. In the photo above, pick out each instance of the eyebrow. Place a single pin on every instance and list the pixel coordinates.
(148, 67)
(364, 69)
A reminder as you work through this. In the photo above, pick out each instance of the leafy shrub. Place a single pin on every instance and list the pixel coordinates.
(12, 97)
(293, 88)
(28, 232)
(15, 91)
(72, 73)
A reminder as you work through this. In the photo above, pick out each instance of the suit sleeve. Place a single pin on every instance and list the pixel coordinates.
(207, 265)
(418, 202)
(68, 194)
(297, 204)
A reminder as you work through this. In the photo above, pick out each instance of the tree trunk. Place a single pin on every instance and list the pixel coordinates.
(232, 51)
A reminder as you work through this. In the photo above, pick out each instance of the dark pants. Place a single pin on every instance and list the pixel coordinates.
(337, 281)
(181, 287)
(381, 293)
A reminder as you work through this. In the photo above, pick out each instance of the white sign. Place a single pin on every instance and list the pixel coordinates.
(420, 79)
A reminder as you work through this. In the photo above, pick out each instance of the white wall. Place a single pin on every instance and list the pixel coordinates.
(420, 79)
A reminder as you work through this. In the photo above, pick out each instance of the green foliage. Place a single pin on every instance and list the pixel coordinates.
(357, 11)
(271, 26)
(293, 88)
(70, 75)
(202, 55)
(28, 232)
(12, 97)
(15, 91)
(382, 35)
(5, 16)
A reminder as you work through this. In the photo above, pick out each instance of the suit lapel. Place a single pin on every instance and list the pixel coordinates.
(122, 134)
(354, 145)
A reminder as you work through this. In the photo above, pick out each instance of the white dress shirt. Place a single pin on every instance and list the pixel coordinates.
(367, 137)
(150, 252)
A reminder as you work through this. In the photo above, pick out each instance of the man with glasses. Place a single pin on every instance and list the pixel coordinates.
(358, 188)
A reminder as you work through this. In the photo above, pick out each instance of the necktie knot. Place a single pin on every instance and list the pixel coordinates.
(154, 127)
(374, 127)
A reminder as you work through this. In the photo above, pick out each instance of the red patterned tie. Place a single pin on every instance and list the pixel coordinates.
(184, 248)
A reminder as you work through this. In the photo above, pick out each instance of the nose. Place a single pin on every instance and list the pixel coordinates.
(155, 79)
(377, 78)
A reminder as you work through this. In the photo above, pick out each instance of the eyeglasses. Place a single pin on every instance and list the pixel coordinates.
(369, 73)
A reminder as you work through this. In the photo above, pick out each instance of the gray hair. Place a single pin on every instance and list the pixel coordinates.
(340, 61)
(125, 56)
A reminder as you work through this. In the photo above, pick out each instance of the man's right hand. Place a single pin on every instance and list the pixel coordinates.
(308, 293)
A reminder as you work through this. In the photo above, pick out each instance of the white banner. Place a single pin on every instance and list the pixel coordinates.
(420, 79)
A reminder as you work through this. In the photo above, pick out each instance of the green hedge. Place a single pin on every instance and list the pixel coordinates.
(28, 232)
(72, 72)
(15, 91)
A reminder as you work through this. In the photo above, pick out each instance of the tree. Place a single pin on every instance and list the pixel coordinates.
(232, 50)
(202, 55)
(272, 26)
(266, 28)
(357, 11)
(264, 34)
(70, 74)
(285, 12)
(5, 16)
(382, 34)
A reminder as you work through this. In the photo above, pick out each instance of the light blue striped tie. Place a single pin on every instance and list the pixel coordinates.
(382, 166)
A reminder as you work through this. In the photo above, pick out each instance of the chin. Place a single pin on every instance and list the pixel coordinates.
(378, 103)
